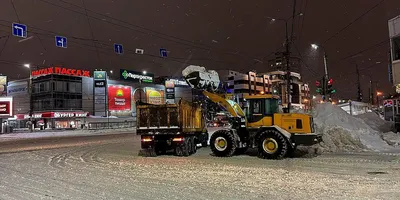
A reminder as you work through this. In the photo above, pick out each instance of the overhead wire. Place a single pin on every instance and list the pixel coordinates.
(154, 33)
(354, 21)
(108, 45)
(15, 10)
(305, 64)
(303, 19)
(91, 32)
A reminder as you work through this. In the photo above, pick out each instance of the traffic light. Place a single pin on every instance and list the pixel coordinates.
(319, 87)
(330, 82)
(329, 87)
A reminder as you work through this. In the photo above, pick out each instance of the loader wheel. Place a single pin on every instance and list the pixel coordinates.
(272, 145)
(223, 143)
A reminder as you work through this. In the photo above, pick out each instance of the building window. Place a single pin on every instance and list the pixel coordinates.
(396, 48)
(59, 86)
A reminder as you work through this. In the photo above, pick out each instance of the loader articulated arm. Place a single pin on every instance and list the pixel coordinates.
(199, 78)
(232, 107)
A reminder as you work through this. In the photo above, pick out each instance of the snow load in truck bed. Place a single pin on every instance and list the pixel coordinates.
(200, 78)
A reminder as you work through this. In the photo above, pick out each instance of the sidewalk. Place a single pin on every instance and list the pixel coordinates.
(60, 133)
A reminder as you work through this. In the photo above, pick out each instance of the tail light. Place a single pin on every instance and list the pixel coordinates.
(178, 139)
(147, 139)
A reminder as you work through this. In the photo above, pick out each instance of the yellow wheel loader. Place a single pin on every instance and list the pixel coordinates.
(261, 125)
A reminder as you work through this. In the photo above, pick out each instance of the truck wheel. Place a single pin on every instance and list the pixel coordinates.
(223, 143)
(178, 151)
(194, 145)
(186, 147)
(272, 145)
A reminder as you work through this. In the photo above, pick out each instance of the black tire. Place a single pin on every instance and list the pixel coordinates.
(194, 145)
(178, 151)
(186, 147)
(226, 150)
(277, 140)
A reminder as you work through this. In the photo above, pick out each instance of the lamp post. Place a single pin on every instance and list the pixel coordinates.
(30, 96)
(287, 54)
(326, 76)
(378, 94)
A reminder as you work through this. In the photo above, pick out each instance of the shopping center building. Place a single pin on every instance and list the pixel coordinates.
(63, 98)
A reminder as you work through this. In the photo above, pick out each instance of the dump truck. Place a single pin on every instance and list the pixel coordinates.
(177, 128)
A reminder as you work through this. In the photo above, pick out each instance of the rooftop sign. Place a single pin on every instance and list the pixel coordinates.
(61, 71)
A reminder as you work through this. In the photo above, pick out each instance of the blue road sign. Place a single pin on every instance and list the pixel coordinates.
(61, 41)
(118, 48)
(163, 53)
(20, 30)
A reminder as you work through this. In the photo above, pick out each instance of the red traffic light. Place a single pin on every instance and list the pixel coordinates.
(317, 83)
(330, 81)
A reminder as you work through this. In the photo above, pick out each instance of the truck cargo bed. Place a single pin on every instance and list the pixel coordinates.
(170, 119)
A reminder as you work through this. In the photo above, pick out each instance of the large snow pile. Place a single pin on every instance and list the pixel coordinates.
(343, 132)
(375, 122)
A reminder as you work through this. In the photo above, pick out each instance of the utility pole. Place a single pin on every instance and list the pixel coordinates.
(359, 95)
(288, 43)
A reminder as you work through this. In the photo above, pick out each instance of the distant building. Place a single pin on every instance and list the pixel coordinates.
(267, 83)
(279, 63)
(394, 64)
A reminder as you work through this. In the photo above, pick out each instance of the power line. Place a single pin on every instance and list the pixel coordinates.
(302, 19)
(207, 47)
(107, 44)
(91, 32)
(305, 64)
(352, 22)
(4, 46)
(362, 51)
(15, 10)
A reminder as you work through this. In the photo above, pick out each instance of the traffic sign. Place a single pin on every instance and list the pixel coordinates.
(61, 41)
(118, 49)
(163, 53)
(20, 30)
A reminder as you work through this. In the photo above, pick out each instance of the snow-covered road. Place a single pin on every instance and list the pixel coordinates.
(107, 167)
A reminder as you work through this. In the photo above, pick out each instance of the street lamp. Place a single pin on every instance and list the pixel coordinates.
(144, 72)
(288, 84)
(314, 46)
(27, 65)
(111, 71)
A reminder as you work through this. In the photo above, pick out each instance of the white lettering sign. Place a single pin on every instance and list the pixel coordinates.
(119, 102)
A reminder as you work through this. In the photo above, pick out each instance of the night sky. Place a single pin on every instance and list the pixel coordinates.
(218, 34)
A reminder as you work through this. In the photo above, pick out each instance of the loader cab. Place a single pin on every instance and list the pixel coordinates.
(260, 109)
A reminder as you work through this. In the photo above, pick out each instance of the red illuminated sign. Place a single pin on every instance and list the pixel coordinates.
(119, 98)
(5, 107)
(61, 71)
